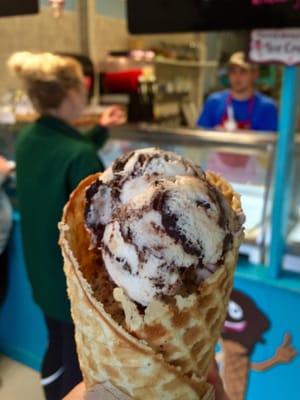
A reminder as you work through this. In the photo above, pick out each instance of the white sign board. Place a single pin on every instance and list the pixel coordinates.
(275, 46)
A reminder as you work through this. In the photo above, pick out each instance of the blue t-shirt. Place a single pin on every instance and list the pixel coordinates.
(262, 116)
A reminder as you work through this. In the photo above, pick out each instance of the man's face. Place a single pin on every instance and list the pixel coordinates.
(241, 79)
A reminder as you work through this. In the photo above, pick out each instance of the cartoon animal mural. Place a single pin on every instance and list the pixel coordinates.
(244, 328)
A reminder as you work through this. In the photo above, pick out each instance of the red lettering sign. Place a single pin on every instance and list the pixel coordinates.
(279, 46)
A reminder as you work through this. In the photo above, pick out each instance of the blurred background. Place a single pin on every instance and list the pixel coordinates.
(164, 83)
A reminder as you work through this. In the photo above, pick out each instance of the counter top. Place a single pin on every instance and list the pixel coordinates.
(189, 136)
(181, 135)
(259, 273)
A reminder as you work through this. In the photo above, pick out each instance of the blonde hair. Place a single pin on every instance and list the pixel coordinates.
(47, 77)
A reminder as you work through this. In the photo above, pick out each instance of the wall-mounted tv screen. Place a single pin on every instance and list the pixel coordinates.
(18, 7)
(166, 16)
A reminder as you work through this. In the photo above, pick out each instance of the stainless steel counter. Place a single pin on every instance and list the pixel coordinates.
(190, 137)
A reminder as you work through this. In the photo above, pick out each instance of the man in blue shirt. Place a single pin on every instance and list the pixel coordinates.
(240, 107)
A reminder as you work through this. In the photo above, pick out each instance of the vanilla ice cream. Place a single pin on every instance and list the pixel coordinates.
(160, 226)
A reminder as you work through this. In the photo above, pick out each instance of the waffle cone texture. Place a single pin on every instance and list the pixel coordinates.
(163, 353)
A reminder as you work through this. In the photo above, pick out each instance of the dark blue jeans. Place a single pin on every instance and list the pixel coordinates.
(60, 369)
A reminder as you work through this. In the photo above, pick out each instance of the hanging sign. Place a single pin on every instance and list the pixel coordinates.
(275, 46)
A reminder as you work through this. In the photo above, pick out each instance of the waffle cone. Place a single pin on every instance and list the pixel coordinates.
(164, 353)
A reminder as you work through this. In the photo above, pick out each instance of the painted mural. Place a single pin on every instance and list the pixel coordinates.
(244, 328)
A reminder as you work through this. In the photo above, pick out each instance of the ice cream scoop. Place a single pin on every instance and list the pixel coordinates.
(159, 224)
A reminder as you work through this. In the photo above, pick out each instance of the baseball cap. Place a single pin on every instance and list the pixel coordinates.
(239, 59)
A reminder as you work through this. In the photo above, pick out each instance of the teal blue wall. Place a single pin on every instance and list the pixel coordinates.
(280, 306)
(111, 8)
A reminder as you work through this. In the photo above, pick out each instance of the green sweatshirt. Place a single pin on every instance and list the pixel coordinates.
(52, 158)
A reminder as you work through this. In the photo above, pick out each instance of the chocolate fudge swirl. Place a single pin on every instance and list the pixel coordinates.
(160, 226)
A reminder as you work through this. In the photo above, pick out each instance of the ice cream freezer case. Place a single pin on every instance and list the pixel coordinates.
(258, 350)
(246, 160)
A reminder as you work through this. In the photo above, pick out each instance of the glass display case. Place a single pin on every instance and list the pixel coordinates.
(8, 137)
(244, 159)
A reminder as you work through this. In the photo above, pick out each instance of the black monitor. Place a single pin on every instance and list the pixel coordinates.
(166, 16)
(18, 7)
